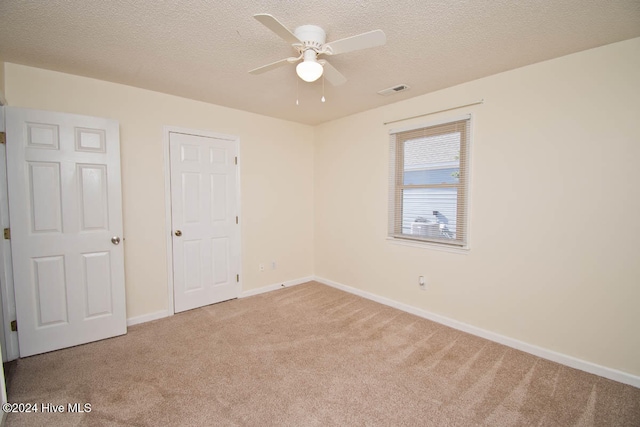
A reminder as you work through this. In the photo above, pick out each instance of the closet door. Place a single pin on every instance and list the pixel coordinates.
(206, 234)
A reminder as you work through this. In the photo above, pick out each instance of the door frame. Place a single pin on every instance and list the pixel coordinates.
(9, 340)
(166, 133)
(10, 348)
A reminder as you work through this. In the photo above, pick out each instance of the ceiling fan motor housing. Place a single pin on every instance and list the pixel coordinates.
(312, 37)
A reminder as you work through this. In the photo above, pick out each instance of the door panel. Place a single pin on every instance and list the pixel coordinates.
(220, 260)
(94, 199)
(45, 199)
(51, 290)
(191, 197)
(63, 176)
(97, 283)
(219, 199)
(204, 207)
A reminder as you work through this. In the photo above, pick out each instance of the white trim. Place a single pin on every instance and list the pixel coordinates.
(166, 313)
(276, 286)
(239, 212)
(148, 317)
(429, 245)
(199, 132)
(166, 132)
(464, 249)
(431, 123)
(9, 342)
(470, 180)
(573, 362)
(10, 348)
(167, 217)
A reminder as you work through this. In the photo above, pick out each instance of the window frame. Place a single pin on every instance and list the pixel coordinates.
(396, 185)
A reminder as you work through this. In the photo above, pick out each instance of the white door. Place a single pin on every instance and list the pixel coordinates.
(65, 211)
(206, 234)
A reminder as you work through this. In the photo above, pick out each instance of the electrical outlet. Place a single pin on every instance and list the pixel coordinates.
(422, 283)
(273, 265)
(261, 267)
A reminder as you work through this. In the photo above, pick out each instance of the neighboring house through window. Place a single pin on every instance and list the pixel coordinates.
(429, 183)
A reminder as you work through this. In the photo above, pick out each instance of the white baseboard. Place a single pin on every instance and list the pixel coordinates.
(147, 317)
(583, 365)
(165, 313)
(275, 286)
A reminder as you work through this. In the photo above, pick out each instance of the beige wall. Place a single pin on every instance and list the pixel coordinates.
(555, 207)
(554, 201)
(276, 176)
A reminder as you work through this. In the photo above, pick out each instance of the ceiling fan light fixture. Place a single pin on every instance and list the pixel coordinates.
(310, 41)
(309, 71)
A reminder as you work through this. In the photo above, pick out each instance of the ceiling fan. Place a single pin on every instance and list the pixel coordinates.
(309, 42)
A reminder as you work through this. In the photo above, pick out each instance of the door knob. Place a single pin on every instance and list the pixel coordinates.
(115, 240)
(178, 233)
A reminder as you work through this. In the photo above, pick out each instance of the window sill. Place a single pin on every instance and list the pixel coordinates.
(464, 250)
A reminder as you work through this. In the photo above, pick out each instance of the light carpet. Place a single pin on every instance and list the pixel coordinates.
(311, 355)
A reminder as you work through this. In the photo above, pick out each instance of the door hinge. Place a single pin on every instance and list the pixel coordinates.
(14, 325)
(7, 233)
(236, 219)
(236, 160)
(238, 278)
(3, 139)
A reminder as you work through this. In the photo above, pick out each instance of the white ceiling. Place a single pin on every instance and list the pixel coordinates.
(204, 49)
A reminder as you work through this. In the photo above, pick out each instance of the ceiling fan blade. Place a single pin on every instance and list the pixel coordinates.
(272, 66)
(332, 75)
(276, 26)
(361, 41)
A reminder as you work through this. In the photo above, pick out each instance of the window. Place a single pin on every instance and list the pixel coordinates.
(429, 182)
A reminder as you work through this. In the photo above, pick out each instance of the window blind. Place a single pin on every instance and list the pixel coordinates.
(428, 183)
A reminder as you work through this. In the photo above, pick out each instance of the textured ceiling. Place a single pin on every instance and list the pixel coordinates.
(204, 49)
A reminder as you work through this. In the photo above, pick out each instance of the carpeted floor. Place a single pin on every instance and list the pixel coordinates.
(310, 355)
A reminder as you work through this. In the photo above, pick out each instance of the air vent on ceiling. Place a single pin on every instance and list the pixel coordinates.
(394, 89)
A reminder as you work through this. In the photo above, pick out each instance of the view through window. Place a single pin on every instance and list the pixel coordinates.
(429, 183)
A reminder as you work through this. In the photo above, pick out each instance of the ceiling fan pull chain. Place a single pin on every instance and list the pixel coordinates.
(322, 99)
